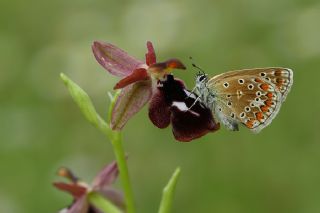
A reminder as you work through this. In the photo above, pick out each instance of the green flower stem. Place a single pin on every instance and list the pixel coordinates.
(85, 104)
(102, 204)
(123, 168)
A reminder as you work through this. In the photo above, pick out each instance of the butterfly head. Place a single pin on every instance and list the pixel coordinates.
(201, 77)
(201, 80)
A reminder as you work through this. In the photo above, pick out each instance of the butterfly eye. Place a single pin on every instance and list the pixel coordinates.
(201, 78)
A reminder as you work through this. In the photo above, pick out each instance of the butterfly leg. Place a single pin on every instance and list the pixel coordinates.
(191, 92)
(197, 99)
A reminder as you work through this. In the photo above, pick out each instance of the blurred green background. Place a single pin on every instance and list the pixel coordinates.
(42, 129)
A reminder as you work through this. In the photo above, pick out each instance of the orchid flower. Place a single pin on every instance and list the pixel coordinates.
(80, 190)
(138, 78)
(149, 81)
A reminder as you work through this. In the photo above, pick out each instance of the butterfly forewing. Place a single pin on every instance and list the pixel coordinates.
(252, 97)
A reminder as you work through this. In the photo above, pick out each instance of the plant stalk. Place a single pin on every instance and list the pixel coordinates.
(123, 169)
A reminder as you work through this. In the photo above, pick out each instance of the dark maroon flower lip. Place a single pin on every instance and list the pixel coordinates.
(172, 104)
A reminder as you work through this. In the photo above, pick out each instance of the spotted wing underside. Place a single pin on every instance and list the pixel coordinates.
(252, 97)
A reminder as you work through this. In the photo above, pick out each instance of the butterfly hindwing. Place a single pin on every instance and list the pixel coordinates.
(252, 97)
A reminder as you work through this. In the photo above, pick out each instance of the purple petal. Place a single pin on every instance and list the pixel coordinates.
(106, 176)
(81, 205)
(114, 59)
(159, 110)
(137, 75)
(131, 99)
(115, 196)
(150, 55)
(74, 189)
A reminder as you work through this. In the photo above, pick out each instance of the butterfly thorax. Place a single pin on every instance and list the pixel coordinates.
(205, 94)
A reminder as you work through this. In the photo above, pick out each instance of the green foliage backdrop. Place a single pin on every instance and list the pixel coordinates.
(42, 129)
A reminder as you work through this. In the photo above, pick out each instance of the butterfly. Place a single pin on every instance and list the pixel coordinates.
(251, 97)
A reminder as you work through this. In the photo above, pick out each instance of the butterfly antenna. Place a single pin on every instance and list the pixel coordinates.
(201, 71)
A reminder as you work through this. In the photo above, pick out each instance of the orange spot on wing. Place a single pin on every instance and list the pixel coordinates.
(264, 108)
(259, 116)
(269, 95)
(258, 80)
(268, 103)
(264, 87)
(249, 124)
(280, 80)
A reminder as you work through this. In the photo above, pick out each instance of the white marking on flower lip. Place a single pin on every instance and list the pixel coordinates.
(183, 107)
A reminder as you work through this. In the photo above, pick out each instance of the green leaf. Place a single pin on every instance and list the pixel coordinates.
(168, 193)
(85, 104)
(103, 204)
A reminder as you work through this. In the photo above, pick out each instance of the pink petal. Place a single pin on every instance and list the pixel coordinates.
(114, 59)
(106, 176)
(74, 189)
(150, 55)
(81, 205)
(137, 75)
(131, 99)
